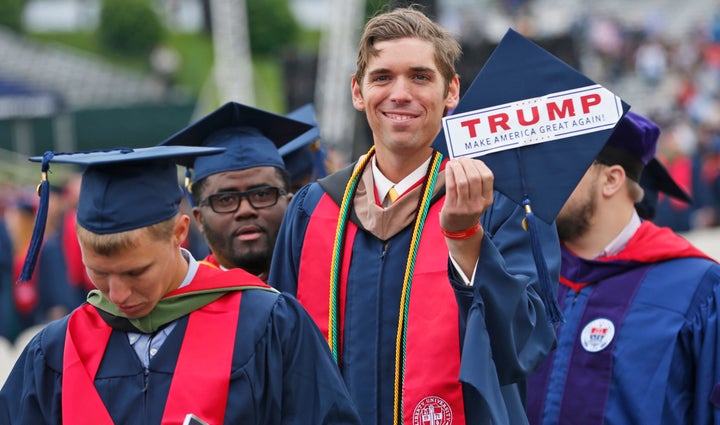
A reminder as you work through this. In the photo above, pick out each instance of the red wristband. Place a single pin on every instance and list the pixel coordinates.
(463, 234)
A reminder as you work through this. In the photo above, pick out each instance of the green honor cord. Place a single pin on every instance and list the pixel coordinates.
(422, 210)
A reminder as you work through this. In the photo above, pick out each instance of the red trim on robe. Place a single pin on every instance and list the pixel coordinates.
(195, 390)
(203, 391)
(651, 244)
(208, 278)
(575, 286)
(86, 337)
(321, 247)
(432, 364)
(210, 259)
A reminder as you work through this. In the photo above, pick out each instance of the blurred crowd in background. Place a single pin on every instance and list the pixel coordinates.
(677, 82)
(673, 80)
(666, 65)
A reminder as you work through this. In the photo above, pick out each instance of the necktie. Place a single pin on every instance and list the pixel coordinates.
(392, 195)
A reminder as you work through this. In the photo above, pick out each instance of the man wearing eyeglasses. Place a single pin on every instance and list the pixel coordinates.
(239, 197)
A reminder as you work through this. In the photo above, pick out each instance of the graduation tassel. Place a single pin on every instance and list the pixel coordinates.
(40, 221)
(187, 186)
(546, 284)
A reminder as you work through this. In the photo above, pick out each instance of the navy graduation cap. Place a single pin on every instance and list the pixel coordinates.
(251, 137)
(122, 189)
(538, 124)
(305, 155)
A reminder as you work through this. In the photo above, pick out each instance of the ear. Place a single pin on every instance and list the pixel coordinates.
(453, 96)
(357, 98)
(181, 230)
(197, 215)
(614, 180)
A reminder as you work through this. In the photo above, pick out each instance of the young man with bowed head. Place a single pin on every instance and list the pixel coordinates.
(641, 339)
(163, 338)
(417, 271)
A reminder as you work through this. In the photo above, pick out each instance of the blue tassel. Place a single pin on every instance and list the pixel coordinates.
(547, 292)
(40, 221)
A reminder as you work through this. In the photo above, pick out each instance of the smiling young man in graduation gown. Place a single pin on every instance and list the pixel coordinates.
(163, 336)
(427, 325)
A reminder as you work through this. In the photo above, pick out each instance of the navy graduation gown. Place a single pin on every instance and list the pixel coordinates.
(641, 339)
(281, 373)
(503, 325)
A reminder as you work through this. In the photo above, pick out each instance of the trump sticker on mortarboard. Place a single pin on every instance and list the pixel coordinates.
(531, 121)
(522, 98)
(597, 335)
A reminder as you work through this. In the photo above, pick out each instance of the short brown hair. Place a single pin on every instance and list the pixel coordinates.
(408, 22)
(113, 243)
(635, 191)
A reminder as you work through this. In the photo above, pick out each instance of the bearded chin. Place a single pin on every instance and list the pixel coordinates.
(254, 262)
(573, 225)
(568, 230)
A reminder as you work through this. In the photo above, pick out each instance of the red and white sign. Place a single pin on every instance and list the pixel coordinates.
(526, 122)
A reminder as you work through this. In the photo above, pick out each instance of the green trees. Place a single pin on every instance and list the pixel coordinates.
(11, 14)
(129, 26)
(132, 27)
(272, 26)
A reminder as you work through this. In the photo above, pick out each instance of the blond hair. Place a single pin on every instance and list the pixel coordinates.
(112, 243)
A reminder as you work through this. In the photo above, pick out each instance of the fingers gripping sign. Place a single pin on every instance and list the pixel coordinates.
(469, 192)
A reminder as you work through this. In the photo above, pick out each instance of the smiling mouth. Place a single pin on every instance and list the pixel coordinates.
(399, 117)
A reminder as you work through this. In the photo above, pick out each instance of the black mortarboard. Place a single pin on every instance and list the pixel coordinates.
(524, 97)
(251, 137)
(122, 189)
(655, 179)
(305, 155)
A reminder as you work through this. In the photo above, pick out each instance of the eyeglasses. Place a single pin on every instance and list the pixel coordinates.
(229, 202)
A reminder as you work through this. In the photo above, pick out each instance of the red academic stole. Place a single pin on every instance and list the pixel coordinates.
(210, 260)
(201, 391)
(431, 386)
